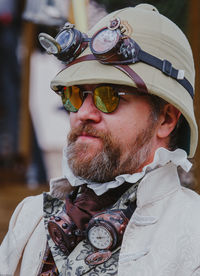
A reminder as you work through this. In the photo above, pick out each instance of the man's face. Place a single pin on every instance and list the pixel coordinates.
(102, 146)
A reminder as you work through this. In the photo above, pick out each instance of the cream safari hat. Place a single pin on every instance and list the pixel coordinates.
(157, 36)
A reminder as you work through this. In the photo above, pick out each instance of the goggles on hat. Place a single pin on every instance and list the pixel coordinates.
(105, 97)
(109, 46)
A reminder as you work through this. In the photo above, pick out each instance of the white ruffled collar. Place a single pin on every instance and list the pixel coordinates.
(161, 158)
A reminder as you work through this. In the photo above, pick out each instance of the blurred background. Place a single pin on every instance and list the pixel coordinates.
(33, 124)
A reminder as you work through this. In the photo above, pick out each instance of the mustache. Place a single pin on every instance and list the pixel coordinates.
(87, 130)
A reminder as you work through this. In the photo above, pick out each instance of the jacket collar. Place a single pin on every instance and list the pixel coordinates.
(157, 184)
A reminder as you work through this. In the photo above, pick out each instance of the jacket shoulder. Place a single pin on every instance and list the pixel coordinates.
(189, 203)
(191, 197)
(31, 206)
(26, 217)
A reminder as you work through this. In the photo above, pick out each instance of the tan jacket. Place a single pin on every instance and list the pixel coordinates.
(161, 239)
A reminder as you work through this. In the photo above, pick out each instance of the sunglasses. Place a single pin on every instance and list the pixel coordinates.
(105, 97)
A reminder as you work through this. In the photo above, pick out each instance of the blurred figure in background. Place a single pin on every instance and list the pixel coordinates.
(10, 23)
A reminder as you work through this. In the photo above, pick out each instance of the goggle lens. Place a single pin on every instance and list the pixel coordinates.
(105, 98)
(65, 38)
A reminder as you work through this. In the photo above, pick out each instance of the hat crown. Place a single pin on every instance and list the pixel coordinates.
(156, 34)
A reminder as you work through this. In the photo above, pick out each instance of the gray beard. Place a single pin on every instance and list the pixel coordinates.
(110, 161)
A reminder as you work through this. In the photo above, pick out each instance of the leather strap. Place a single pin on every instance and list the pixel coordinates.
(124, 68)
(141, 86)
(163, 65)
(166, 67)
(83, 58)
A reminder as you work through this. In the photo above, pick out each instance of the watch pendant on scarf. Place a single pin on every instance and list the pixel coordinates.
(105, 232)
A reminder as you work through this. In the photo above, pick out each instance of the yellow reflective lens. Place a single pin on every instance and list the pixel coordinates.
(106, 98)
(71, 98)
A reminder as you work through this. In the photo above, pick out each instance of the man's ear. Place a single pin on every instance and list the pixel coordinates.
(168, 120)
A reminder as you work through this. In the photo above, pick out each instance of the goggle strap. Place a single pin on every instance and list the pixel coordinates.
(80, 59)
(166, 67)
(162, 65)
(141, 86)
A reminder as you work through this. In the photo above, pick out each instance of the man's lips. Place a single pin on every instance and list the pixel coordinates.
(85, 135)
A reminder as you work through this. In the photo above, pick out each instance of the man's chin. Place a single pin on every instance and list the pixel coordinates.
(85, 160)
(85, 151)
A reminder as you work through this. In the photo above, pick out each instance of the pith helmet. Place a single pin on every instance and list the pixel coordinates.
(158, 36)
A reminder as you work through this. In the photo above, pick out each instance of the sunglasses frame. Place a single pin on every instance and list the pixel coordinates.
(91, 92)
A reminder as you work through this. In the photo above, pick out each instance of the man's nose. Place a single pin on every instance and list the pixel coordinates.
(88, 111)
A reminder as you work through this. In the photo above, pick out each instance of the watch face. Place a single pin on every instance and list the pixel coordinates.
(105, 40)
(100, 237)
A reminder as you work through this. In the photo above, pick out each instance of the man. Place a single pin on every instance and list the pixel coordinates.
(120, 208)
